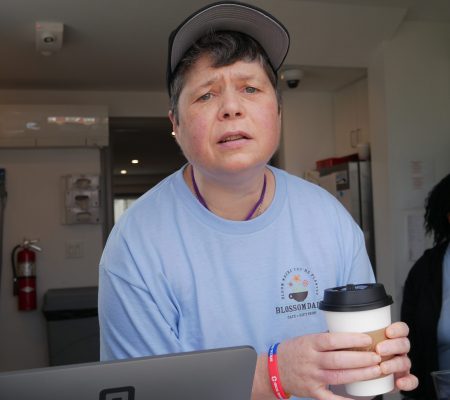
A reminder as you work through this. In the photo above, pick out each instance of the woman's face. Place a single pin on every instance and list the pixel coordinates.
(229, 119)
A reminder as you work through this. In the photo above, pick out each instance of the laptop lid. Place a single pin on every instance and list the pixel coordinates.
(219, 374)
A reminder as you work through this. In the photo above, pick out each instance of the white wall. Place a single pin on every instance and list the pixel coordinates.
(409, 89)
(307, 130)
(33, 210)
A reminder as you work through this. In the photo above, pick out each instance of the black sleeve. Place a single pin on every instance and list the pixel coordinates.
(419, 313)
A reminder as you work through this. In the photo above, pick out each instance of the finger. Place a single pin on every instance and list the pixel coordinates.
(407, 382)
(341, 341)
(345, 359)
(343, 376)
(396, 330)
(393, 346)
(395, 364)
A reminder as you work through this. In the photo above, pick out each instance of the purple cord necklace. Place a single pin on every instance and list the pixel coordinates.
(252, 211)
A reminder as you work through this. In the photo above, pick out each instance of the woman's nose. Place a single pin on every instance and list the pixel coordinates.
(231, 106)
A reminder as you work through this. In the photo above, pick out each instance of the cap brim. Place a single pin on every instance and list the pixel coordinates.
(231, 16)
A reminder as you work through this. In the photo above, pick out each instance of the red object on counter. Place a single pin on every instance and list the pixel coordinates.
(332, 161)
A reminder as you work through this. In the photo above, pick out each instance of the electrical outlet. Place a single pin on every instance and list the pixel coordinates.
(74, 249)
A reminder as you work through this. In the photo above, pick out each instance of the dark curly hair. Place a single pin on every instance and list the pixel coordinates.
(437, 211)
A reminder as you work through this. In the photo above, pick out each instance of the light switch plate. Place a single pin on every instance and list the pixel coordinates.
(74, 249)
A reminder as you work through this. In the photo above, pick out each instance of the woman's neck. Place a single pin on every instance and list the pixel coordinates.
(231, 198)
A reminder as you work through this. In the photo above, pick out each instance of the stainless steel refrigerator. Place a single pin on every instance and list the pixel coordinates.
(351, 184)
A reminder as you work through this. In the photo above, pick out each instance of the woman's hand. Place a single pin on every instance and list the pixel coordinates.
(310, 363)
(397, 346)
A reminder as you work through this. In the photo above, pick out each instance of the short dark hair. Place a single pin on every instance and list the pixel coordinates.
(437, 209)
(224, 48)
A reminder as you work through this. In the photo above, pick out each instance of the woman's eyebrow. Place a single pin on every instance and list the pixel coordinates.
(207, 83)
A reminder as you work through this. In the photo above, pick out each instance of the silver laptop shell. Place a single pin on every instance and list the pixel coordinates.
(220, 374)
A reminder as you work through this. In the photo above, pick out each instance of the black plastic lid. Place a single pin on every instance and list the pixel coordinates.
(358, 297)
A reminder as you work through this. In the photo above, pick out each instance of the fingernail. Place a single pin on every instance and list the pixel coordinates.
(384, 369)
(376, 370)
(381, 350)
(376, 358)
(367, 340)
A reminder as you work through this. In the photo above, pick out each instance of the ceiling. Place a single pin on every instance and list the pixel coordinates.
(121, 44)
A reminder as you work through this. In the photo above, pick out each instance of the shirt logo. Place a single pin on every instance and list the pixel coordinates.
(299, 293)
(298, 287)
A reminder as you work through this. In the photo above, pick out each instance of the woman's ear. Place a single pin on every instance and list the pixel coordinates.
(173, 120)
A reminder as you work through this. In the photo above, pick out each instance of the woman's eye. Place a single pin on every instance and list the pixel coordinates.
(250, 89)
(205, 97)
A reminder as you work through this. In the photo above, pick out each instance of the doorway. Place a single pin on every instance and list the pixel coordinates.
(142, 153)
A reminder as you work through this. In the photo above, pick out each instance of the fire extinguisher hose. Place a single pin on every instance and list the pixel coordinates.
(14, 270)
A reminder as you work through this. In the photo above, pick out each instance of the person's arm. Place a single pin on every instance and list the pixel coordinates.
(137, 317)
(310, 363)
(410, 306)
(261, 389)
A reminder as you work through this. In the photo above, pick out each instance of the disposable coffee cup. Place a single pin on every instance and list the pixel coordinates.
(362, 308)
(441, 381)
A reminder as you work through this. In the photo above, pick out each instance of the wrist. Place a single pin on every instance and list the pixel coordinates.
(274, 373)
(261, 389)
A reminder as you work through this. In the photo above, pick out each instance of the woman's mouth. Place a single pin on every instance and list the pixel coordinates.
(233, 137)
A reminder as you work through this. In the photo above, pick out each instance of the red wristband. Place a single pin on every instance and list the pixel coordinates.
(274, 375)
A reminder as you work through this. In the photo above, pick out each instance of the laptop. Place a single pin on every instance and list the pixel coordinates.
(219, 374)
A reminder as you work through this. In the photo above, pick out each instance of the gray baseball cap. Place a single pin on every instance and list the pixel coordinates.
(229, 16)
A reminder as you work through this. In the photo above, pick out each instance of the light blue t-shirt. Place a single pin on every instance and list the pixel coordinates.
(175, 277)
(443, 332)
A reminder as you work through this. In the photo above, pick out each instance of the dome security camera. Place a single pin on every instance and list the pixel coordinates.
(292, 77)
(49, 37)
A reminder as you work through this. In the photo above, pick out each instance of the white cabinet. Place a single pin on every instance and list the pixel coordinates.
(351, 117)
(53, 125)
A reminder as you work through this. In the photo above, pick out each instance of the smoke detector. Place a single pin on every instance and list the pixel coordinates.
(49, 37)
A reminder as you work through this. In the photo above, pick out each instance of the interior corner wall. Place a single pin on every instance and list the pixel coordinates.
(381, 179)
(409, 101)
(307, 130)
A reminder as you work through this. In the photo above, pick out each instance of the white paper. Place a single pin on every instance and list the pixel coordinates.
(416, 235)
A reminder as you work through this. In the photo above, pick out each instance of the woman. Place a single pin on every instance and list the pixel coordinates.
(426, 297)
(213, 255)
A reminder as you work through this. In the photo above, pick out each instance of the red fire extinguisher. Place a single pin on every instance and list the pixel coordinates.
(24, 274)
